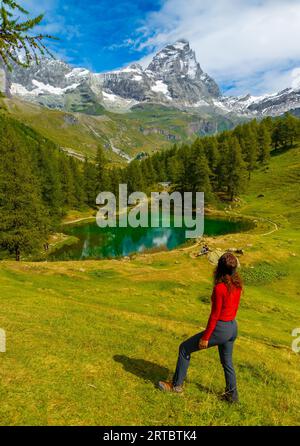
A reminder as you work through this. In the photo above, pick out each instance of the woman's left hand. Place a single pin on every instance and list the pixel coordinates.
(203, 344)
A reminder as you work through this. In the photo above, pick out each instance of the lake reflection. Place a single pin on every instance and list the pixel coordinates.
(95, 242)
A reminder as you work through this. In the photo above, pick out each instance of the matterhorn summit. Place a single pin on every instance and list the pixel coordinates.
(173, 78)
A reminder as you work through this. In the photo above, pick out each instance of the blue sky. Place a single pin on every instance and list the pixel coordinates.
(96, 34)
(246, 45)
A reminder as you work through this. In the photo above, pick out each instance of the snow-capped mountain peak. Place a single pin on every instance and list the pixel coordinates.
(176, 59)
(174, 76)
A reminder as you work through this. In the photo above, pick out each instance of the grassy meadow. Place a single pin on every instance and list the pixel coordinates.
(144, 129)
(88, 340)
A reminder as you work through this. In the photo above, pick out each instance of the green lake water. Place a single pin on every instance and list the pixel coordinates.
(99, 243)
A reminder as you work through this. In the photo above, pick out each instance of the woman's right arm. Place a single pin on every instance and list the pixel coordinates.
(216, 307)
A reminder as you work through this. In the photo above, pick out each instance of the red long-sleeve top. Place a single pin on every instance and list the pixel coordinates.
(224, 307)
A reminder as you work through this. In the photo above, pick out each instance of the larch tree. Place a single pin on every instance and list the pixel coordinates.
(264, 143)
(89, 183)
(102, 173)
(250, 148)
(16, 35)
(200, 172)
(24, 223)
(237, 174)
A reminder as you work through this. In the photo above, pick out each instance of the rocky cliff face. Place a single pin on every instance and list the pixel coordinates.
(173, 77)
(176, 65)
(268, 105)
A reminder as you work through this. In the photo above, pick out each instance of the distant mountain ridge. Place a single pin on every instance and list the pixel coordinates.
(174, 78)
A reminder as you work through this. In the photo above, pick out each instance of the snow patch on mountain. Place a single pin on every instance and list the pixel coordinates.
(173, 76)
(160, 87)
(114, 102)
(18, 90)
(109, 96)
(137, 78)
(46, 88)
(41, 88)
(77, 72)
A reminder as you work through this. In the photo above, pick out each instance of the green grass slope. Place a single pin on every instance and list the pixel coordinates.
(147, 128)
(87, 341)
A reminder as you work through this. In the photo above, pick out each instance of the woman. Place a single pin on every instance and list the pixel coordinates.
(221, 329)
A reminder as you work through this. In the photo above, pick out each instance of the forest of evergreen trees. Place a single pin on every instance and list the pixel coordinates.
(39, 182)
(219, 165)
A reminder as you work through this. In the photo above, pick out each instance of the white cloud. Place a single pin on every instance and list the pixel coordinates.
(37, 7)
(296, 78)
(53, 23)
(249, 43)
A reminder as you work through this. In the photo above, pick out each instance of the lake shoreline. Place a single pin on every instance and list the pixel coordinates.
(213, 216)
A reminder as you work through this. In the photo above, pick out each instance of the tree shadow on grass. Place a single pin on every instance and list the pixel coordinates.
(149, 371)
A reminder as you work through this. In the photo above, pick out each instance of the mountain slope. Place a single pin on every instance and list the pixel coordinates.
(146, 128)
(276, 104)
(93, 329)
(173, 77)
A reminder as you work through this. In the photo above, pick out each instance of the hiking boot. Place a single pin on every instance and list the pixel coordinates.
(230, 397)
(168, 387)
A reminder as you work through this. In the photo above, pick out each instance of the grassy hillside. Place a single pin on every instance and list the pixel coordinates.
(87, 341)
(147, 128)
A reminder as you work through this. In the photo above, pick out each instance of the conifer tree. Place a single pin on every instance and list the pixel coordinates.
(264, 143)
(199, 171)
(250, 148)
(223, 168)
(102, 177)
(78, 182)
(291, 126)
(211, 152)
(158, 164)
(149, 174)
(171, 168)
(116, 180)
(47, 168)
(16, 35)
(237, 172)
(67, 182)
(285, 131)
(24, 222)
(90, 183)
(181, 169)
(135, 180)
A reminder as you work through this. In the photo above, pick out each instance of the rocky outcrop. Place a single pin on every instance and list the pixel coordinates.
(173, 78)
(4, 82)
(267, 105)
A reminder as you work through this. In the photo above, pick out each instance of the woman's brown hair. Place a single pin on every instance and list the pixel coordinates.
(226, 271)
